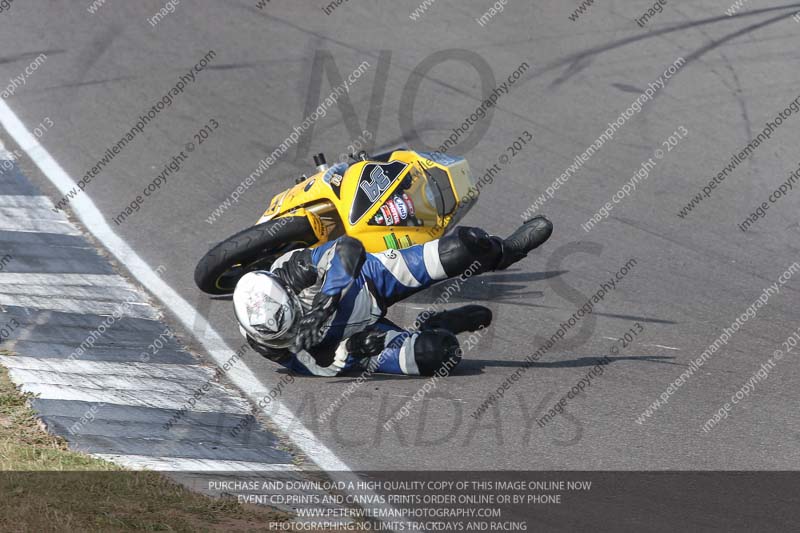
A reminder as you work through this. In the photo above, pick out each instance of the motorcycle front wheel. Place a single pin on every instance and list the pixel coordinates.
(254, 248)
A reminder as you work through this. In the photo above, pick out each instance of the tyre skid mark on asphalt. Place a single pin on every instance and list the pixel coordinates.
(662, 346)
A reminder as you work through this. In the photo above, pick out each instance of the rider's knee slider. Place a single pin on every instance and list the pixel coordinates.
(436, 349)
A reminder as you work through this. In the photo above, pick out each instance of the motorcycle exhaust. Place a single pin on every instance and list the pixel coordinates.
(321, 164)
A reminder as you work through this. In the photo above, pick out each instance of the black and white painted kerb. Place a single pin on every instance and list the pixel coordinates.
(254, 388)
(84, 345)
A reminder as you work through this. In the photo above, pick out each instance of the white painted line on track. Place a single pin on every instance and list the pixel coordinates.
(91, 368)
(82, 307)
(64, 280)
(18, 219)
(241, 376)
(146, 397)
(86, 294)
(163, 386)
(183, 464)
(33, 214)
(30, 202)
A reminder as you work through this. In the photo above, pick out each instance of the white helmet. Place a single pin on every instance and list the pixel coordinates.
(265, 309)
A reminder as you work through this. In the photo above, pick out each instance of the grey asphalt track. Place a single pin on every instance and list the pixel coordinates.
(693, 276)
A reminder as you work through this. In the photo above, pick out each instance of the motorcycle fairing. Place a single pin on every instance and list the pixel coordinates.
(375, 179)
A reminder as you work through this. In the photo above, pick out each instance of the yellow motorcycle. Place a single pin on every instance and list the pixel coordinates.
(392, 200)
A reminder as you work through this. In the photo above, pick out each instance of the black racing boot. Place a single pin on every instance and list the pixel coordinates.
(469, 249)
(530, 235)
(458, 320)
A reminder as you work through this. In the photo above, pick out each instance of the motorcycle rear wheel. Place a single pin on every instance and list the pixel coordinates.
(254, 248)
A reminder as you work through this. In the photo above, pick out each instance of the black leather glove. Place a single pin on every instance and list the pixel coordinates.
(352, 255)
(298, 272)
(273, 354)
(367, 343)
(311, 328)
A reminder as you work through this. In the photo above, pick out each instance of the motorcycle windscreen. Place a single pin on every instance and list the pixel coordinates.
(443, 190)
(415, 201)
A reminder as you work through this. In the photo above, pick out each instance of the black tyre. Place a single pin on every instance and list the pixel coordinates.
(255, 248)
